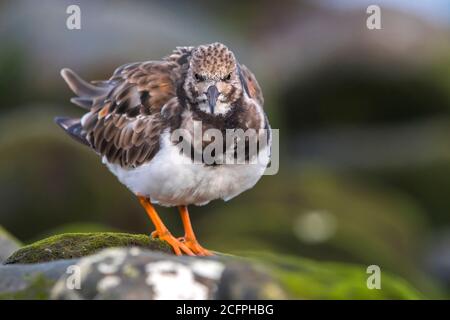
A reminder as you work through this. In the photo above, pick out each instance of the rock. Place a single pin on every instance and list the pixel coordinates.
(50, 267)
(134, 273)
(30, 281)
(8, 244)
(248, 281)
(139, 273)
(76, 245)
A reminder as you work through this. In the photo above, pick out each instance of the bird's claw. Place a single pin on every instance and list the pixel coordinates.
(178, 247)
(195, 247)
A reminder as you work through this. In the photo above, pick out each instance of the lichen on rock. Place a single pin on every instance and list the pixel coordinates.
(76, 245)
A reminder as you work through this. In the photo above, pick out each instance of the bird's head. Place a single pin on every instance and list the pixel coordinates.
(212, 80)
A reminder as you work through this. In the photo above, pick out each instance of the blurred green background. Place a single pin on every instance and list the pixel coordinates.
(364, 119)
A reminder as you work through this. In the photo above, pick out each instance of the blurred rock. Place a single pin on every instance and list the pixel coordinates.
(8, 244)
(31, 281)
(243, 281)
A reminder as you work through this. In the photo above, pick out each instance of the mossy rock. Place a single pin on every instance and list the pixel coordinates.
(76, 245)
(300, 278)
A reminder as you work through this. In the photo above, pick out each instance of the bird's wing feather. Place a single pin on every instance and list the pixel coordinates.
(254, 90)
(180, 55)
(125, 121)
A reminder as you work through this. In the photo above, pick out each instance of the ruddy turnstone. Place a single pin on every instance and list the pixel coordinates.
(132, 116)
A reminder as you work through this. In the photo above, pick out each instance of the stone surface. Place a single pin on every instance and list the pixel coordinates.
(8, 244)
(134, 273)
(30, 281)
(248, 281)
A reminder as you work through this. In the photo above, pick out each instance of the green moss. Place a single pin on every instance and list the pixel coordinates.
(308, 279)
(78, 227)
(39, 288)
(75, 245)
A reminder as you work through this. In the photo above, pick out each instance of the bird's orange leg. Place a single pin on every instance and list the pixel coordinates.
(189, 238)
(161, 231)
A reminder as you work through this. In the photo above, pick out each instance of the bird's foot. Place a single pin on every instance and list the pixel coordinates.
(195, 247)
(178, 246)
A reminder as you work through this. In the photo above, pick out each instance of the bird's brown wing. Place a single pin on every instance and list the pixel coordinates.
(252, 86)
(125, 121)
(180, 55)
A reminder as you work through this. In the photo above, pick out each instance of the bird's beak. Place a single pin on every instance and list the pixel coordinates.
(212, 94)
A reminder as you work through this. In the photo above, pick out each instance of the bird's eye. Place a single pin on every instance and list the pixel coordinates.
(199, 77)
(227, 78)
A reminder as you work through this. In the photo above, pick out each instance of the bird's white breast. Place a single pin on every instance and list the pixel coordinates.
(170, 180)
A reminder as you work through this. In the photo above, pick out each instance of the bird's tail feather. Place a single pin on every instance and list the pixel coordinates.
(73, 127)
(85, 91)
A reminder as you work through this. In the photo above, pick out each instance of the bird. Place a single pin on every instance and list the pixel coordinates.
(130, 119)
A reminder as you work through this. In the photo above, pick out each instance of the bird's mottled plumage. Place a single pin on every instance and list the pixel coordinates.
(130, 114)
